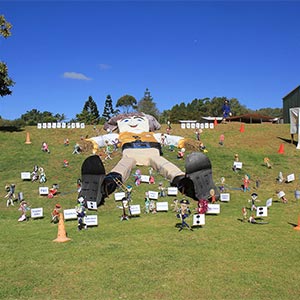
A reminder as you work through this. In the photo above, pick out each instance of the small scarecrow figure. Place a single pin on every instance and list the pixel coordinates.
(267, 162)
(222, 187)
(246, 182)
(35, 174)
(221, 139)
(253, 200)
(184, 212)
(180, 153)
(280, 178)
(202, 206)
(137, 177)
(175, 205)
(23, 208)
(151, 176)
(152, 206)
(147, 203)
(81, 213)
(55, 214)
(212, 196)
(10, 189)
(125, 205)
(281, 196)
(244, 213)
(42, 176)
(161, 189)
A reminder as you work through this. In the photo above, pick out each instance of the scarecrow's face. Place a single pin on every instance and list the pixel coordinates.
(136, 124)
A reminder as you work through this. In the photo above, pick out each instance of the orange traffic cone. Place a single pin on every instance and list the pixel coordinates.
(281, 149)
(27, 138)
(215, 122)
(61, 235)
(298, 226)
(242, 128)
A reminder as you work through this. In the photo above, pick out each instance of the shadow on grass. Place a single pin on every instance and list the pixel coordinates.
(293, 224)
(288, 140)
(11, 128)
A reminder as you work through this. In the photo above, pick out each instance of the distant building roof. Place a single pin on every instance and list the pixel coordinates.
(253, 118)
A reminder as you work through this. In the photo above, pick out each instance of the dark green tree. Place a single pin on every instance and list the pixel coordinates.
(5, 81)
(34, 116)
(127, 102)
(108, 110)
(90, 114)
(147, 106)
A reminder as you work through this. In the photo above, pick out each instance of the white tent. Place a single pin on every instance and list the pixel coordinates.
(295, 123)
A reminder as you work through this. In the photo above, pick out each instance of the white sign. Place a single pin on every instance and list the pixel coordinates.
(261, 211)
(82, 125)
(39, 125)
(43, 190)
(162, 206)
(70, 214)
(213, 209)
(92, 205)
(49, 125)
(182, 125)
(36, 212)
(206, 125)
(281, 194)
(54, 125)
(77, 125)
(238, 165)
(25, 175)
(63, 125)
(135, 209)
(91, 220)
(225, 197)
(153, 195)
(145, 178)
(290, 178)
(58, 125)
(44, 125)
(269, 202)
(199, 220)
(119, 196)
(172, 191)
(211, 125)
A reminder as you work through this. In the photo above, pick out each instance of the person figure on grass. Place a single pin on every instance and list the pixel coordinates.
(23, 208)
(10, 189)
(55, 213)
(183, 214)
(246, 182)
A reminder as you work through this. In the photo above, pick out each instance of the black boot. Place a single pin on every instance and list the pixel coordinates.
(198, 180)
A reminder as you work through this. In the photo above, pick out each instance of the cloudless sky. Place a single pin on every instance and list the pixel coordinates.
(62, 52)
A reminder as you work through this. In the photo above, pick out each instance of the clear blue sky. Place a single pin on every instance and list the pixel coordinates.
(62, 52)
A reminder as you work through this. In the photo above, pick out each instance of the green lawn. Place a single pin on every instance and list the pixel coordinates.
(146, 257)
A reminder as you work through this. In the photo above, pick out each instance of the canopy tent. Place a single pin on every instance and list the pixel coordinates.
(295, 123)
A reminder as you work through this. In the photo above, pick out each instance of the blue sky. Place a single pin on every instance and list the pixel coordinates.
(62, 52)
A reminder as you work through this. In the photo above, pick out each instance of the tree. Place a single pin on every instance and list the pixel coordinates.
(127, 102)
(34, 116)
(90, 113)
(147, 106)
(5, 81)
(108, 110)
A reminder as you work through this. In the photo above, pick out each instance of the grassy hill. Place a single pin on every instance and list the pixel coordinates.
(146, 257)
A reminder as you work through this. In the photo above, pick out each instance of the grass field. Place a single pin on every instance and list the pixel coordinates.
(146, 257)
